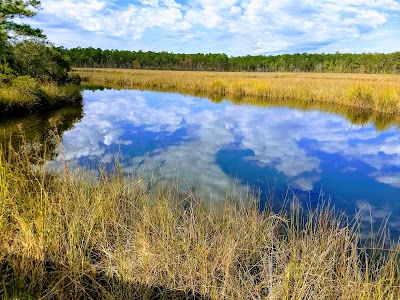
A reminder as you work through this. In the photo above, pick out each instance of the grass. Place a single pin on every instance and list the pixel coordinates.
(71, 236)
(361, 97)
(22, 98)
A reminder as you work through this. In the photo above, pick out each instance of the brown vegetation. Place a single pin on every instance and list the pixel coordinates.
(70, 236)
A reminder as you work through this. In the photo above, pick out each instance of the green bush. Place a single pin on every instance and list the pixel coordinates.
(26, 85)
(6, 74)
(40, 61)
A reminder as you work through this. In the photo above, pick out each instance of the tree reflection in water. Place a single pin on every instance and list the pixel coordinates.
(38, 133)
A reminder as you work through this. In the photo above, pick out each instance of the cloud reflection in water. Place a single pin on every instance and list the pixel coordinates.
(185, 135)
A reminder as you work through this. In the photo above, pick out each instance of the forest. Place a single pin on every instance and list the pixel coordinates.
(377, 63)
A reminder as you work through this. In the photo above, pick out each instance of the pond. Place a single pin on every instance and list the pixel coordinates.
(212, 147)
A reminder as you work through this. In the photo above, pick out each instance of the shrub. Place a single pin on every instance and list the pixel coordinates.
(26, 85)
(40, 61)
(74, 79)
(6, 74)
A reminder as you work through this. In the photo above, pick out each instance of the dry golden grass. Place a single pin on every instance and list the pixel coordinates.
(379, 93)
(69, 236)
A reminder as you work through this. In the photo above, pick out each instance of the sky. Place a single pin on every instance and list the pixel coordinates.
(234, 27)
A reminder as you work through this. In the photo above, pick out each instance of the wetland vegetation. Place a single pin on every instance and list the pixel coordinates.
(69, 235)
(74, 234)
(362, 98)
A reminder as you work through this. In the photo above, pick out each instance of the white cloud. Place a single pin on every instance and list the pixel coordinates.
(372, 213)
(275, 143)
(104, 17)
(153, 3)
(388, 178)
(245, 26)
(102, 124)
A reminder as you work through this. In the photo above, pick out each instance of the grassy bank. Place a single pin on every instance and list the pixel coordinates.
(25, 94)
(68, 236)
(380, 93)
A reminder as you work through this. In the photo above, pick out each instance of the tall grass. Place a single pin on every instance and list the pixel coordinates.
(71, 236)
(16, 99)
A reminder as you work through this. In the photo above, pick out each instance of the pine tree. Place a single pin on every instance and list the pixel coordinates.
(10, 30)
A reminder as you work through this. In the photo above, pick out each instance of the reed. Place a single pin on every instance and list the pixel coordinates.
(381, 93)
(70, 235)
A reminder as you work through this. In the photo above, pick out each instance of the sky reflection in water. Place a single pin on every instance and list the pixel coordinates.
(214, 145)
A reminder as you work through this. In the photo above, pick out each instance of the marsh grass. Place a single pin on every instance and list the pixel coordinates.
(71, 236)
(379, 93)
(26, 96)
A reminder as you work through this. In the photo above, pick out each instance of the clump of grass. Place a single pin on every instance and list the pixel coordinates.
(388, 100)
(60, 95)
(361, 96)
(71, 236)
(218, 88)
(22, 93)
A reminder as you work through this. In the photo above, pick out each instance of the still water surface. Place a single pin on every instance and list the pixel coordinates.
(213, 146)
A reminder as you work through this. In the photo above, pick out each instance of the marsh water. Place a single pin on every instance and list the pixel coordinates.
(275, 151)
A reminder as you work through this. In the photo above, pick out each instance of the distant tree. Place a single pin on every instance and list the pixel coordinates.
(136, 64)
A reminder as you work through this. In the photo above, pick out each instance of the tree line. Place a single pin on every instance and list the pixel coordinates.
(299, 62)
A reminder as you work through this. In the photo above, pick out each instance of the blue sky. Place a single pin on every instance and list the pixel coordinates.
(234, 27)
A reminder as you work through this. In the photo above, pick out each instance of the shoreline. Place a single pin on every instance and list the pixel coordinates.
(16, 101)
(380, 93)
(360, 98)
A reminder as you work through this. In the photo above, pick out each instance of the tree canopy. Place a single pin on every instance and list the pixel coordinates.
(9, 10)
(40, 61)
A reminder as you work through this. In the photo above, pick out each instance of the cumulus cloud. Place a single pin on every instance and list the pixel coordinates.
(372, 213)
(106, 18)
(251, 26)
(388, 178)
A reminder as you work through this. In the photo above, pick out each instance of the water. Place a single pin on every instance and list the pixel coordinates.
(280, 151)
